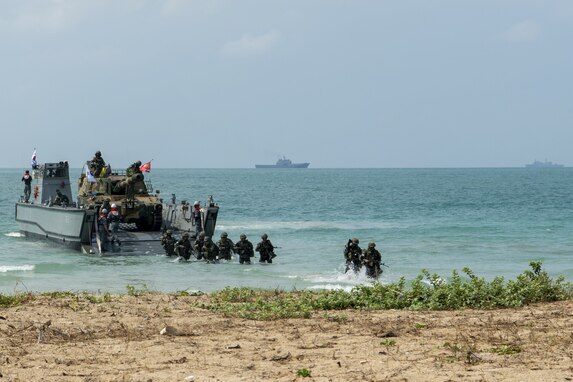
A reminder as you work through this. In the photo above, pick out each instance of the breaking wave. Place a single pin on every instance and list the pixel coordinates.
(16, 268)
(14, 234)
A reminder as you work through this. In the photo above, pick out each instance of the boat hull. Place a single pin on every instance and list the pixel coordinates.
(292, 165)
(70, 227)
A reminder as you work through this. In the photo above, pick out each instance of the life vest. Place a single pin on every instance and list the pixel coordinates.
(114, 215)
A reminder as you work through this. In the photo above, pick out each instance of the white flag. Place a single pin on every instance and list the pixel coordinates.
(89, 174)
(34, 163)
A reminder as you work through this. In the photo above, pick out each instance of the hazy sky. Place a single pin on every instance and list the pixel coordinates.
(231, 83)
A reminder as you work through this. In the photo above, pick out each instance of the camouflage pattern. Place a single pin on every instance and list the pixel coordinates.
(265, 249)
(60, 199)
(372, 259)
(353, 256)
(97, 165)
(168, 242)
(210, 250)
(183, 247)
(131, 194)
(226, 248)
(198, 245)
(245, 250)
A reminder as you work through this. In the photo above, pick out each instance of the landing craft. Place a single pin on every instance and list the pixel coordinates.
(144, 214)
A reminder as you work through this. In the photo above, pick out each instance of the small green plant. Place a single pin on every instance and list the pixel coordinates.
(7, 301)
(506, 349)
(303, 373)
(56, 295)
(133, 291)
(97, 299)
(388, 343)
(420, 325)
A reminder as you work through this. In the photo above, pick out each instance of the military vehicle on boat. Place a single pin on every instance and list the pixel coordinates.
(130, 191)
(144, 214)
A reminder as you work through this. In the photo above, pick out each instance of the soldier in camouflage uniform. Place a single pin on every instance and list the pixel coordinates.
(265, 249)
(198, 245)
(183, 247)
(245, 249)
(210, 250)
(372, 259)
(353, 256)
(225, 247)
(168, 242)
(97, 164)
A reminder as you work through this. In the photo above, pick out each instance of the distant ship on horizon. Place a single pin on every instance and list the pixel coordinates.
(283, 163)
(546, 164)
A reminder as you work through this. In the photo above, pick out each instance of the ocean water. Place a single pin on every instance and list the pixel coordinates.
(494, 221)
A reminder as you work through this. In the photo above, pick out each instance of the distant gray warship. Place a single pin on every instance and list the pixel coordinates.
(144, 215)
(546, 164)
(283, 163)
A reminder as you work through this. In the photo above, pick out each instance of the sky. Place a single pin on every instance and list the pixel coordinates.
(339, 84)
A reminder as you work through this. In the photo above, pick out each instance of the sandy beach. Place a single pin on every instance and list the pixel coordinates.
(160, 337)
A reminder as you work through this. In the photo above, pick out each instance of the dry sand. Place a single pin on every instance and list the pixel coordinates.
(72, 339)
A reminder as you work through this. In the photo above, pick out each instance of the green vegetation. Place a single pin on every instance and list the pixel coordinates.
(7, 301)
(506, 349)
(133, 291)
(303, 373)
(420, 325)
(388, 342)
(426, 292)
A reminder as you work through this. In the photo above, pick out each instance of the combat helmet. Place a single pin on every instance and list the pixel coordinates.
(224, 234)
(355, 240)
(168, 232)
(264, 236)
(371, 244)
(186, 234)
(243, 236)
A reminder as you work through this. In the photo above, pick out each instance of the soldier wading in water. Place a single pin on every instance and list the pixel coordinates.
(168, 242)
(265, 249)
(226, 247)
(245, 249)
(353, 255)
(372, 259)
(210, 250)
(183, 247)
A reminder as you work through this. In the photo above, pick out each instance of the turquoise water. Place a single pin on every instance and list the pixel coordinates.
(494, 221)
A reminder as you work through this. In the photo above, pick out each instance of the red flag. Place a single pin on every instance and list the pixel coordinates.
(145, 167)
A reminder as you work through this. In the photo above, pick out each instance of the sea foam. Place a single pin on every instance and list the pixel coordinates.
(16, 268)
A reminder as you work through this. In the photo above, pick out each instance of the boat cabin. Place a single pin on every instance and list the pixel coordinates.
(48, 178)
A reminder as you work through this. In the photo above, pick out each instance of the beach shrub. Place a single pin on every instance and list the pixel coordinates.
(426, 292)
(133, 291)
(7, 301)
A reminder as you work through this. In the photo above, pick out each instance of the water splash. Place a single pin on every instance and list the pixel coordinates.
(14, 234)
